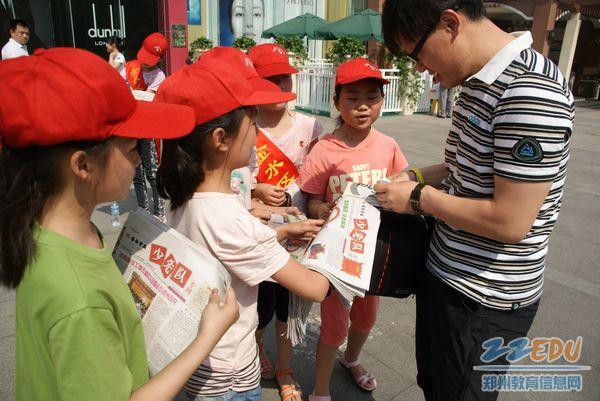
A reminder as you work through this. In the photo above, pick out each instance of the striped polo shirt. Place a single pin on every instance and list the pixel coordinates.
(513, 119)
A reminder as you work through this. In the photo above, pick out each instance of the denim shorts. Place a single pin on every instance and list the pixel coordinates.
(250, 395)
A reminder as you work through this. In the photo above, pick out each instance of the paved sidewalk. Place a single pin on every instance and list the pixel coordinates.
(570, 305)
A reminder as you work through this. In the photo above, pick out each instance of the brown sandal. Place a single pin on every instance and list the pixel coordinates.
(267, 371)
(288, 392)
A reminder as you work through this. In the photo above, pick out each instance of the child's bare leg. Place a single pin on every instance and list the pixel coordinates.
(325, 358)
(356, 341)
(285, 353)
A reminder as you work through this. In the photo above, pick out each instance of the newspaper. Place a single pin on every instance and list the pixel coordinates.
(170, 279)
(343, 251)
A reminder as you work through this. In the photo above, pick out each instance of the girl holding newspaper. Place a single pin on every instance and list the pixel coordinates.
(287, 137)
(78, 333)
(355, 151)
(195, 175)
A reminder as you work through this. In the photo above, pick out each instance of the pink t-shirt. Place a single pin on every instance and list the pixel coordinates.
(332, 164)
(249, 251)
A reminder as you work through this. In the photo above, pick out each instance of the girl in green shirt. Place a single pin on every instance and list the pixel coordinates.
(69, 127)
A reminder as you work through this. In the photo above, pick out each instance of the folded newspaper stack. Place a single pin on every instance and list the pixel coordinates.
(170, 278)
(343, 251)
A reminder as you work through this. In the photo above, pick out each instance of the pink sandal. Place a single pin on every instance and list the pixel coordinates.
(363, 379)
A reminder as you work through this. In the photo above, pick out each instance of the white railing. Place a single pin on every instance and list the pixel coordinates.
(391, 101)
(314, 89)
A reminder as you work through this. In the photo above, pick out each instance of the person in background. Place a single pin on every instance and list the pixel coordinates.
(446, 101)
(115, 47)
(17, 44)
(153, 49)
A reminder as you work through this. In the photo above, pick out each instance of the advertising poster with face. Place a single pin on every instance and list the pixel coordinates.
(250, 18)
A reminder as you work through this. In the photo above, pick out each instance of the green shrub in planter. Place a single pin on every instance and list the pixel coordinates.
(244, 43)
(201, 43)
(346, 46)
(294, 44)
(410, 84)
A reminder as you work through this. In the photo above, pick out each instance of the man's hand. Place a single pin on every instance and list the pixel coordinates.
(395, 196)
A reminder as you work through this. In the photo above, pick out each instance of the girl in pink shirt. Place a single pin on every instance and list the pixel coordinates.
(195, 175)
(293, 134)
(354, 152)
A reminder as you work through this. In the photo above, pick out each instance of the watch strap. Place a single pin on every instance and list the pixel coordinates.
(415, 198)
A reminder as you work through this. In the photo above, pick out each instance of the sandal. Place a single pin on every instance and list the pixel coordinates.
(267, 372)
(288, 391)
(363, 379)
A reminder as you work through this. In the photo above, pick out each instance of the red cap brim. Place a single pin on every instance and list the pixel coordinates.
(147, 58)
(360, 77)
(157, 120)
(258, 98)
(262, 85)
(270, 70)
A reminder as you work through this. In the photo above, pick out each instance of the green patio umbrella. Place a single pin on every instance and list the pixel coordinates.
(303, 25)
(362, 26)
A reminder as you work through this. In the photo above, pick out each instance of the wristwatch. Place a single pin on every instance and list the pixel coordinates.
(415, 197)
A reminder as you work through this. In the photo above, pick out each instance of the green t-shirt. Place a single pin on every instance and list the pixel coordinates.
(79, 336)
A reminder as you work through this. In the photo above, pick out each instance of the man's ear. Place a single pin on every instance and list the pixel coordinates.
(451, 22)
(220, 140)
(81, 165)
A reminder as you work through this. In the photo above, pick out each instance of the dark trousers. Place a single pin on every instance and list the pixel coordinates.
(147, 171)
(273, 299)
(450, 330)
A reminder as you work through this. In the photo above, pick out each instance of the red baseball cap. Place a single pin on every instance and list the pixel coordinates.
(357, 69)
(211, 90)
(61, 95)
(153, 48)
(238, 59)
(270, 60)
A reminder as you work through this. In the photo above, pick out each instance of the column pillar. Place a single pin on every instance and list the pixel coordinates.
(569, 44)
(544, 16)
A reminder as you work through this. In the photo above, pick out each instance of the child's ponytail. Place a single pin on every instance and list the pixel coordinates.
(181, 167)
(28, 178)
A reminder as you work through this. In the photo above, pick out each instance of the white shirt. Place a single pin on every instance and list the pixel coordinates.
(249, 251)
(120, 59)
(153, 78)
(13, 49)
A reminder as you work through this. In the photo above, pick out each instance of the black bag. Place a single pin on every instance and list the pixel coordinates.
(400, 253)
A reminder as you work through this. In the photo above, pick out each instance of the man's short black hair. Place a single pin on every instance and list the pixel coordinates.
(410, 19)
(15, 22)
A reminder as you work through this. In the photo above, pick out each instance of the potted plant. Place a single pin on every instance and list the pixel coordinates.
(346, 48)
(410, 84)
(244, 43)
(295, 48)
(199, 46)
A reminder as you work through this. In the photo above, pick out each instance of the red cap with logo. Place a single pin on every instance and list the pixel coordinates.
(153, 48)
(357, 69)
(62, 95)
(211, 90)
(270, 59)
(242, 63)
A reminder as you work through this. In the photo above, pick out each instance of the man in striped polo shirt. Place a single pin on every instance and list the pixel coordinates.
(497, 195)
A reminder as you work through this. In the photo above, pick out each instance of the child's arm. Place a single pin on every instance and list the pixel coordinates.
(298, 230)
(303, 282)
(216, 319)
(318, 208)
